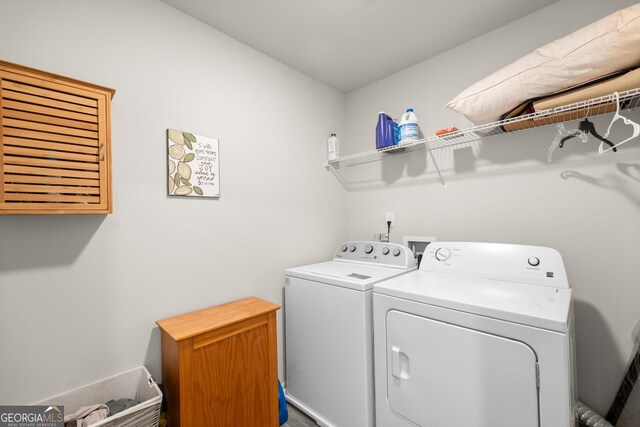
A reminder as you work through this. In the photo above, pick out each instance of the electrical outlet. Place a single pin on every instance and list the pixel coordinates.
(389, 216)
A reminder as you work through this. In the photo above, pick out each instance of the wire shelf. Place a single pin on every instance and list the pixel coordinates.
(345, 166)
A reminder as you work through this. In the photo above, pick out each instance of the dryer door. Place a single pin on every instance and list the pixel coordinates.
(439, 374)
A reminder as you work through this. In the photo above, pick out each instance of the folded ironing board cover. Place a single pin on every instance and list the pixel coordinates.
(599, 49)
(618, 83)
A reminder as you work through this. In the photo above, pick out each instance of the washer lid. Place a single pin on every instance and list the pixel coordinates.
(358, 276)
(540, 306)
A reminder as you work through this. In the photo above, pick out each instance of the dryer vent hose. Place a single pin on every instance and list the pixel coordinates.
(588, 417)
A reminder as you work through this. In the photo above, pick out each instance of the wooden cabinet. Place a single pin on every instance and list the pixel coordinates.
(55, 144)
(219, 366)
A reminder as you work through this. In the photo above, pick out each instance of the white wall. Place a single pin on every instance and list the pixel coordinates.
(503, 190)
(79, 295)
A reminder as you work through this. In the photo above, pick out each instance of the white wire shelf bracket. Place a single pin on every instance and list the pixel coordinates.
(588, 108)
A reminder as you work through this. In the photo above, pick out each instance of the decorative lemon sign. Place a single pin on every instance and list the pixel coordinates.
(193, 165)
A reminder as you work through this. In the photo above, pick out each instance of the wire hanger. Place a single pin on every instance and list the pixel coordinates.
(616, 117)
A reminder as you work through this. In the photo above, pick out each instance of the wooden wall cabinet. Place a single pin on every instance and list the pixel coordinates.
(219, 366)
(55, 144)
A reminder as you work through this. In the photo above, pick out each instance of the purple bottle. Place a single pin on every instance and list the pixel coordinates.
(386, 131)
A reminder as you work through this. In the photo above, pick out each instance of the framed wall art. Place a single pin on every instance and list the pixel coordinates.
(194, 165)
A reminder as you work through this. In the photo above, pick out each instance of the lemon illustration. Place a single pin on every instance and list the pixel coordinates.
(176, 151)
(172, 167)
(183, 191)
(184, 170)
(176, 136)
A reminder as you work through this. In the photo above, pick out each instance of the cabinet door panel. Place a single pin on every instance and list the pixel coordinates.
(52, 132)
(231, 381)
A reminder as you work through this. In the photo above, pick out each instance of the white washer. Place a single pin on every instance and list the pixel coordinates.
(481, 335)
(328, 332)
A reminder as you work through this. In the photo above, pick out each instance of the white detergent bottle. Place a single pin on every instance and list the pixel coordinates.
(333, 148)
(408, 128)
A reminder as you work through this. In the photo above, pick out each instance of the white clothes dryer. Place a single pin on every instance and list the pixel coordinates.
(481, 335)
(328, 332)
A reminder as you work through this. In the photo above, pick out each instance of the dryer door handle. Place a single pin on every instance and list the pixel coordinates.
(399, 363)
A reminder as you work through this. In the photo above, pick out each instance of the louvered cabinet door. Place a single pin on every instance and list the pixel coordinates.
(54, 152)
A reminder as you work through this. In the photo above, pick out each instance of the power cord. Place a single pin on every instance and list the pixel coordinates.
(388, 231)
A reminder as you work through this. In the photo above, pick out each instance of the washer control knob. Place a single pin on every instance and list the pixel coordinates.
(443, 254)
(534, 261)
(352, 248)
(368, 249)
(385, 251)
(344, 248)
(396, 252)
